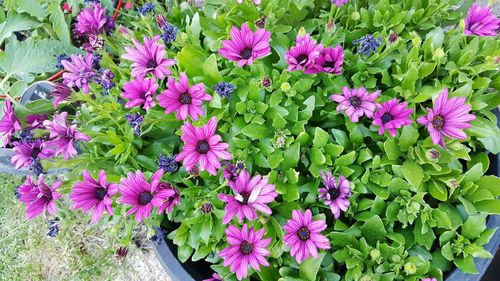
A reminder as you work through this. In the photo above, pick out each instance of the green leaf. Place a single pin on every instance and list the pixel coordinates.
(391, 149)
(442, 219)
(373, 230)
(256, 131)
(409, 135)
(195, 29)
(317, 156)
(184, 252)
(438, 190)
(427, 238)
(206, 230)
(473, 226)
(437, 37)
(268, 273)
(292, 156)
(212, 75)
(31, 7)
(474, 173)
(306, 114)
(320, 137)
(201, 252)
(491, 183)
(59, 23)
(477, 251)
(413, 173)
(16, 22)
(491, 206)
(309, 268)
(426, 69)
(191, 60)
(345, 160)
(466, 265)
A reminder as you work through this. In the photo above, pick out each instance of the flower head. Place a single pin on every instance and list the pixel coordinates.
(60, 93)
(246, 46)
(303, 55)
(202, 146)
(79, 72)
(38, 197)
(330, 60)
(168, 164)
(135, 120)
(183, 99)
(90, 21)
(36, 120)
(391, 116)
(356, 102)
(367, 44)
(146, 8)
(26, 152)
(169, 33)
(140, 92)
(60, 58)
(173, 200)
(447, 119)
(94, 195)
(231, 172)
(339, 3)
(304, 235)
(63, 135)
(9, 123)
(246, 247)
(335, 195)
(481, 21)
(148, 57)
(250, 194)
(142, 195)
(224, 89)
(105, 78)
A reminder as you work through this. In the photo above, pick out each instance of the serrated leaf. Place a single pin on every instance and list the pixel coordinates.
(59, 24)
(17, 22)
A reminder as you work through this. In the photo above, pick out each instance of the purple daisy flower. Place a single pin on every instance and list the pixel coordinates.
(356, 102)
(36, 120)
(304, 235)
(339, 3)
(247, 247)
(90, 21)
(250, 194)
(303, 55)
(231, 172)
(173, 200)
(481, 21)
(246, 46)
(140, 92)
(447, 118)
(391, 116)
(63, 135)
(60, 93)
(330, 60)
(149, 57)
(335, 195)
(9, 123)
(26, 152)
(79, 72)
(94, 194)
(39, 197)
(142, 195)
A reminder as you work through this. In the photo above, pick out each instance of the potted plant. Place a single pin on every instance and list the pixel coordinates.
(291, 140)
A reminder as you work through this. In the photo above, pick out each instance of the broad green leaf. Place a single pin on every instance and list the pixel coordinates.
(391, 149)
(473, 226)
(292, 156)
(373, 230)
(477, 251)
(466, 265)
(256, 131)
(309, 268)
(442, 219)
(438, 190)
(32, 7)
(184, 252)
(59, 23)
(320, 137)
(191, 60)
(491, 206)
(212, 75)
(413, 173)
(17, 22)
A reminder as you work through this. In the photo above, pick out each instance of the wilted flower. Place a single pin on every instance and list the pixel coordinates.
(121, 253)
(367, 44)
(481, 21)
(9, 123)
(336, 195)
(63, 135)
(246, 46)
(393, 37)
(173, 200)
(38, 197)
(261, 23)
(303, 55)
(231, 172)
(266, 82)
(356, 102)
(36, 120)
(433, 154)
(224, 89)
(105, 78)
(146, 8)
(139, 92)
(392, 115)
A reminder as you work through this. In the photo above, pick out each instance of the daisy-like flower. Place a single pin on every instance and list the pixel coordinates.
(36, 120)
(330, 60)
(250, 194)
(173, 200)
(9, 123)
(90, 21)
(148, 57)
(63, 135)
(94, 194)
(26, 152)
(335, 195)
(391, 116)
(142, 195)
(481, 21)
(140, 92)
(304, 235)
(60, 93)
(39, 197)
(339, 3)
(231, 172)
(202, 146)
(447, 118)
(356, 102)
(303, 55)
(246, 46)
(79, 72)
(183, 99)
(246, 247)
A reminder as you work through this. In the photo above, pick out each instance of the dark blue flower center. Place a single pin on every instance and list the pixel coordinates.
(185, 98)
(355, 101)
(302, 59)
(152, 63)
(202, 147)
(246, 248)
(386, 117)
(145, 197)
(247, 53)
(334, 193)
(437, 122)
(304, 233)
(329, 64)
(100, 193)
(245, 198)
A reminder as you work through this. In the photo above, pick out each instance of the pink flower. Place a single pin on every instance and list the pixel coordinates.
(129, 5)
(94, 194)
(247, 247)
(481, 21)
(140, 92)
(249, 195)
(339, 3)
(330, 60)
(38, 197)
(173, 200)
(63, 135)
(90, 21)
(447, 118)
(215, 277)
(79, 72)
(36, 120)
(391, 116)
(9, 123)
(60, 93)
(26, 152)
(303, 55)
(184, 100)
(303, 235)
(142, 195)
(356, 102)
(335, 195)
(246, 46)
(429, 279)
(203, 146)
(149, 57)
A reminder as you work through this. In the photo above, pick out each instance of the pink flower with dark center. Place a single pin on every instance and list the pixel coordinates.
(140, 92)
(303, 235)
(148, 58)
(39, 197)
(392, 115)
(94, 194)
(246, 46)
(330, 60)
(303, 55)
(447, 118)
(481, 21)
(246, 247)
(142, 195)
(60, 93)
(356, 102)
(249, 195)
(335, 195)
(26, 152)
(184, 100)
(9, 123)
(202, 146)
(63, 135)
(79, 72)
(90, 21)
(173, 200)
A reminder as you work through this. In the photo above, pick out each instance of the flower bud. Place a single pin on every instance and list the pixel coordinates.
(285, 87)
(410, 268)
(207, 208)
(433, 154)
(375, 254)
(355, 16)
(302, 32)
(266, 82)
(438, 54)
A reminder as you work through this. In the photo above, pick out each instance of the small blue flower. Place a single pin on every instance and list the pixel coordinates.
(224, 89)
(26, 136)
(135, 120)
(106, 79)
(146, 8)
(169, 33)
(36, 167)
(158, 237)
(367, 44)
(53, 227)
(60, 58)
(96, 59)
(168, 164)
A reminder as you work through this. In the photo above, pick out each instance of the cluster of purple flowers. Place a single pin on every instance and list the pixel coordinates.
(91, 23)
